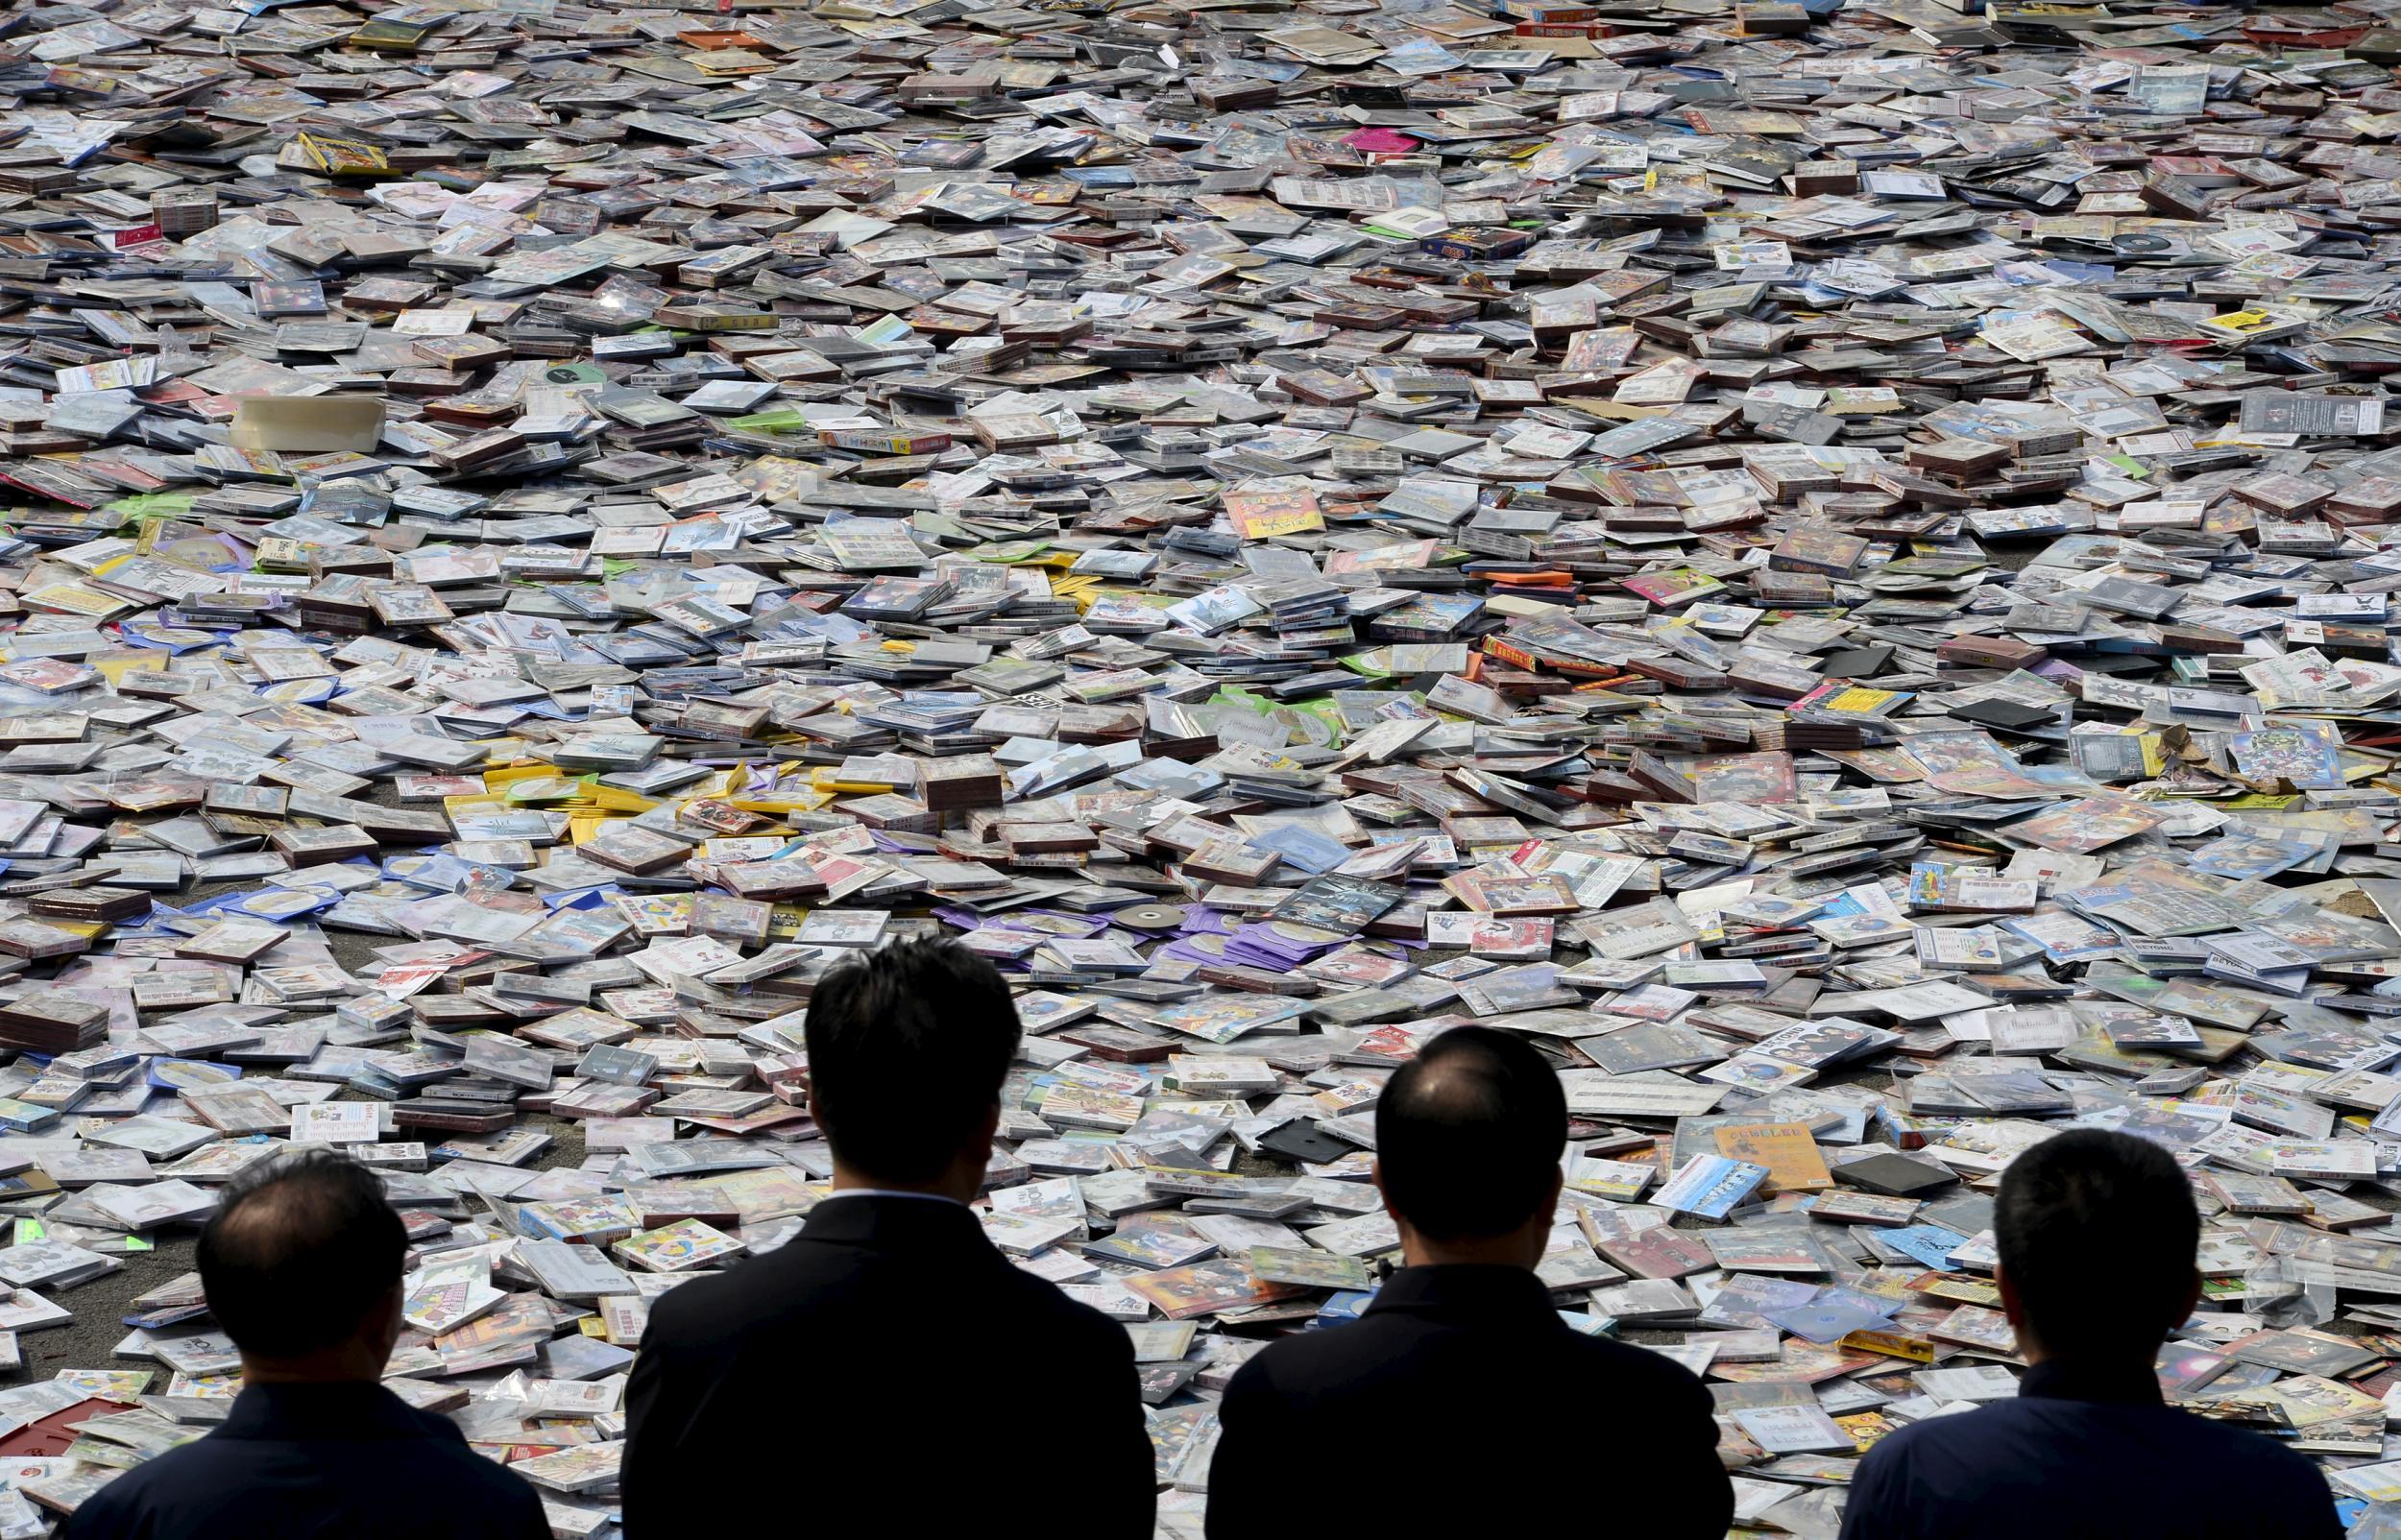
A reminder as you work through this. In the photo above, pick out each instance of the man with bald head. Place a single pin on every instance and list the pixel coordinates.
(1461, 1400)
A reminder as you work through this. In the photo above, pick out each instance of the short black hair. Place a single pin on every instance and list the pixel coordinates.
(906, 1051)
(300, 1249)
(2097, 1233)
(1469, 1135)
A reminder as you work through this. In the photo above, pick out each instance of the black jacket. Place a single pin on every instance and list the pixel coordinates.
(1461, 1404)
(2082, 1454)
(888, 1363)
(317, 1462)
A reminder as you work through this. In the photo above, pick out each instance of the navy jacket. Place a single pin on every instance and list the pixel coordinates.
(891, 1361)
(1459, 1404)
(317, 1462)
(2085, 1454)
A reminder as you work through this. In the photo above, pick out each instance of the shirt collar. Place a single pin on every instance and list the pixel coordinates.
(338, 1410)
(1467, 1289)
(895, 1221)
(2112, 1383)
(891, 1192)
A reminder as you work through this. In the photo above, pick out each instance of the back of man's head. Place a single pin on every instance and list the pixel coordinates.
(1468, 1136)
(300, 1250)
(2097, 1234)
(906, 1051)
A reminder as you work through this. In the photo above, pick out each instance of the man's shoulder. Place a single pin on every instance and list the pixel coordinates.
(436, 1472)
(1068, 1320)
(785, 1283)
(1966, 1434)
(209, 1461)
(1972, 1435)
(215, 1464)
(1958, 1430)
(1306, 1356)
(2257, 1456)
(119, 1506)
(806, 1279)
(443, 1448)
(463, 1493)
(1386, 1341)
(2068, 1442)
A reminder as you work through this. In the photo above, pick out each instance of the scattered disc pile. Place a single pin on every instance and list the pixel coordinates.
(1827, 563)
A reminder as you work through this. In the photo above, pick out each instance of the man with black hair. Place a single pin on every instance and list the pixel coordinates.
(1460, 1403)
(2097, 1234)
(301, 1265)
(889, 1344)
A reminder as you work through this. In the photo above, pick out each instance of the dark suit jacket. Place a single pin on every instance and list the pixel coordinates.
(1461, 1404)
(317, 1462)
(879, 1364)
(2085, 1455)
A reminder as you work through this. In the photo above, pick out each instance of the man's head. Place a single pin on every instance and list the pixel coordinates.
(1468, 1140)
(2097, 1235)
(906, 1051)
(302, 1267)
